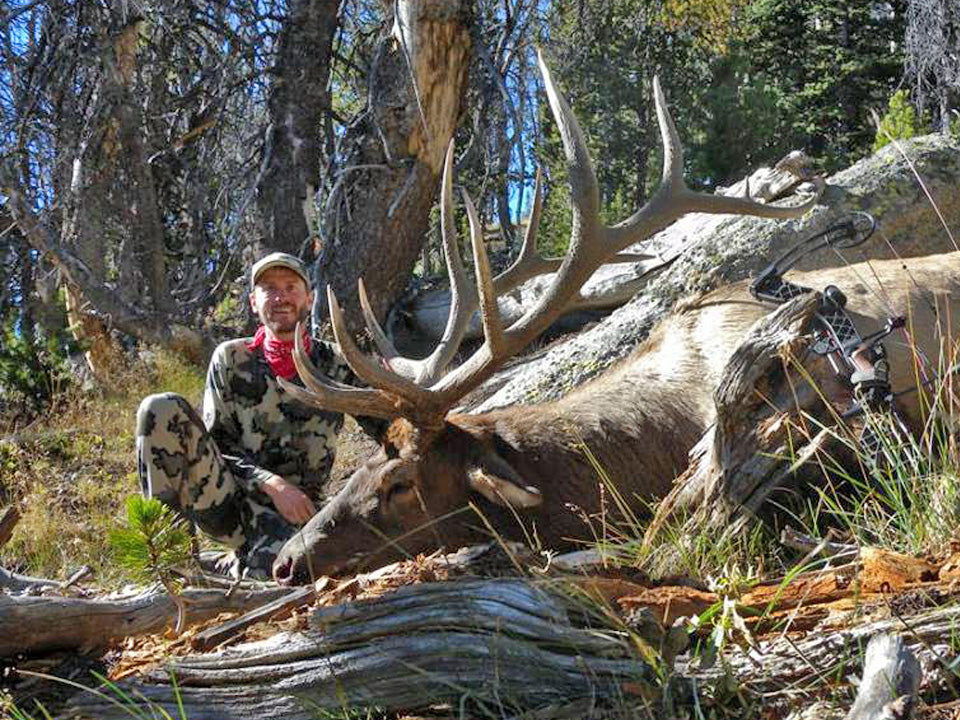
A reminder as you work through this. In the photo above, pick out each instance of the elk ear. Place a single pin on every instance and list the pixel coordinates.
(499, 483)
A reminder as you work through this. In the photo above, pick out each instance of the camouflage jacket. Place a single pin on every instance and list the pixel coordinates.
(259, 429)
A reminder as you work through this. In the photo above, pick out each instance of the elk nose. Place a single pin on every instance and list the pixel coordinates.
(282, 571)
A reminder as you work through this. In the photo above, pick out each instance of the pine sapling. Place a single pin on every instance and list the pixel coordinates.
(153, 546)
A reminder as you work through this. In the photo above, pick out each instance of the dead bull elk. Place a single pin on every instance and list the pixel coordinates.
(524, 468)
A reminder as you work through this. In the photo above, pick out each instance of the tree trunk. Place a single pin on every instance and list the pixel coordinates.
(146, 232)
(84, 234)
(90, 333)
(299, 96)
(27, 284)
(377, 214)
(117, 167)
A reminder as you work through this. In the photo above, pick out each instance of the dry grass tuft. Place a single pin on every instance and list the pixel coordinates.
(71, 469)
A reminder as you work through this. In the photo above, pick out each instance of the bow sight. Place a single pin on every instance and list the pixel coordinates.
(859, 359)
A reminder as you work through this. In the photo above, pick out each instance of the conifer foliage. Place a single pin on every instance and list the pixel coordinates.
(153, 546)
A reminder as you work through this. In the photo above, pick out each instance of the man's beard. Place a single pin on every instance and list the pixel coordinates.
(285, 323)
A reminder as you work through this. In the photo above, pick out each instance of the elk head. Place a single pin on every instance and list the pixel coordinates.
(408, 497)
(412, 496)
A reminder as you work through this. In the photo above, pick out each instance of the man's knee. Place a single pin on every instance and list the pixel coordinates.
(156, 409)
(163, 461)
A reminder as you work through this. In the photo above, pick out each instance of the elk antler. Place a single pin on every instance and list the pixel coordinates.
(414, 389)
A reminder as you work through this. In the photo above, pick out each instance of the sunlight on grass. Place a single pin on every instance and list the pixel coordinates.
(907, 498)
(70, 470)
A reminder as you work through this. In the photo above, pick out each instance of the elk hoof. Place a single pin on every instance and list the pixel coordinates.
(283, 571)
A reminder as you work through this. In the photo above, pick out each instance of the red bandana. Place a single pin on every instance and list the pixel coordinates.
(279, 353)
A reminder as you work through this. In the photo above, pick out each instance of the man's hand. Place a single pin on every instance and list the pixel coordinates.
(291, 502)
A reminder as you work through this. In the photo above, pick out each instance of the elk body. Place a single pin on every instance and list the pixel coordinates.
(531, 472)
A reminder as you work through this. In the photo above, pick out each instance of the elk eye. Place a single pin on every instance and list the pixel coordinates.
(396, 491)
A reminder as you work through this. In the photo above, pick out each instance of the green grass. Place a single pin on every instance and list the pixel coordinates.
(907, 500)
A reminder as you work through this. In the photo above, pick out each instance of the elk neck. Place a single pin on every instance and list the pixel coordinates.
(634, 424)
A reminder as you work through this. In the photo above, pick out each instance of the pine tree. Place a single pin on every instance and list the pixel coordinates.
(900, 122)
(824, 64)
(153, 546)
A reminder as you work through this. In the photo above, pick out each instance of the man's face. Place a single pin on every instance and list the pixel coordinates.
(280, 299)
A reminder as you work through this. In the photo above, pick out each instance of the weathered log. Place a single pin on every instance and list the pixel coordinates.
(14, 582)
(791, 538)
(41, 624)
(501, 646)
(789, 672)
(488, 644)
(211, 637)
(891, 676)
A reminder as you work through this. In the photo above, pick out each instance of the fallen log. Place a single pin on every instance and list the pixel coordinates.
(505, 646)
(14, 582)
(491, 645)
(791, 672)
(40, 624)
(211, 637)
(891, 677)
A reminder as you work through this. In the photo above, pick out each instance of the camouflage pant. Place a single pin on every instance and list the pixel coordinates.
(180, 464)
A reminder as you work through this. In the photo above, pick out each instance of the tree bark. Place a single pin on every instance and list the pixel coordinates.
(494, 644)
(377, 213)
(299, 96)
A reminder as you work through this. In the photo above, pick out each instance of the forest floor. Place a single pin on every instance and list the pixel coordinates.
(70, 471)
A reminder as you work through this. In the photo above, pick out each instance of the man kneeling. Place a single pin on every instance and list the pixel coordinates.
(240, 472)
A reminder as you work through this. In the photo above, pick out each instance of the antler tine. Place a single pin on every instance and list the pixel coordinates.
(529, 262)
(331, 395)
(672, 173)
(489, 313)
(380, 339)
(367, 369)
(584, 188)
(463, 301)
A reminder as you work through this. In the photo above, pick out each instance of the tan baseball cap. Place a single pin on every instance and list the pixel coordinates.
(278, 259)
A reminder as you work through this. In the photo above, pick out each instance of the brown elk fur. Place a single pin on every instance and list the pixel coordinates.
(638, 420)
